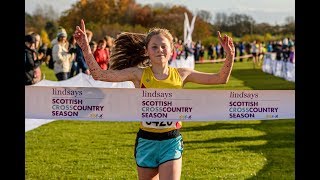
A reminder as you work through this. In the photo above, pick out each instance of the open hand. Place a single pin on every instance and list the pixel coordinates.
(81, 36)
(227, 44)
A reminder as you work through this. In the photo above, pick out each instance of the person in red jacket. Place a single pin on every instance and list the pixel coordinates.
(102, 55)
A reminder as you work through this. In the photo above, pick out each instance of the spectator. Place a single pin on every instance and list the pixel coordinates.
(49, 58)
(278, 51)
(285, 53)
(261, 51)
(201, 53)
(269, 46)
(254, 52)
(61, 58)
(41, 50)
(93, 46)
(72, 49)
(241, 50)
(101, 54)
(55, 40)
(218, 51)
(211, 51)
(188, 50)
(291, 54)
(110, 43)
(30, 59)
(174, 53)
(179, 49)
(197, 49)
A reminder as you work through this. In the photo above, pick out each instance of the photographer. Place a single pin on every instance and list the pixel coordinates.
(32, 63)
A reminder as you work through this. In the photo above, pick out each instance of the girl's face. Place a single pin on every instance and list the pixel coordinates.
(159, 49)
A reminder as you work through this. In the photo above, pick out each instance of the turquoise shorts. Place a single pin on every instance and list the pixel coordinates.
(152, 153)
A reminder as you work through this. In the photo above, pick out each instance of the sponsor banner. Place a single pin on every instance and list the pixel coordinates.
(129, 104)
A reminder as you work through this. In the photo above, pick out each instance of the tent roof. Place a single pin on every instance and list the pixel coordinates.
(84, 80)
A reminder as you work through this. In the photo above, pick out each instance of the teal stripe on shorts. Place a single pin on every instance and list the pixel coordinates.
(152, 153)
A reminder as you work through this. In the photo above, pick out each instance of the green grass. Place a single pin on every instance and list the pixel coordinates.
(252, 149)
(48, 73)
(244, 77)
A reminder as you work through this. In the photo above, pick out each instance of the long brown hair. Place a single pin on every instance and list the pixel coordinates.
(130, 49)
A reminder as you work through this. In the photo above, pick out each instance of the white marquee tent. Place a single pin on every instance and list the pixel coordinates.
(84, 80)
(80, 80)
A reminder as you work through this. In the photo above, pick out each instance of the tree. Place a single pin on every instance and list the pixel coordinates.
(204, 15)
(114, 16)
(143, 16)
(240, 24)
(51, 29)
(263, 28)
(46, 11)
(43, 18)
(289, 27)
(45, 38)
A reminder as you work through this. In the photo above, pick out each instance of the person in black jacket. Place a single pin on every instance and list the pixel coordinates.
(30, 60)
(81, 63)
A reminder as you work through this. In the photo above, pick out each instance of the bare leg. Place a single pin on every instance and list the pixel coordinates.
(261, 59)
(148, 173)
(171, 170)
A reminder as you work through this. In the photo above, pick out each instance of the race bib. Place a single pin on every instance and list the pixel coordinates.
(161, 124)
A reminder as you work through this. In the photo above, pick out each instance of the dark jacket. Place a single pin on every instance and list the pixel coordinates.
(80, 60)
(30, 64)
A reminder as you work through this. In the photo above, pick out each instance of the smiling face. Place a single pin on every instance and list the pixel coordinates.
(159, 49)
(159, 46)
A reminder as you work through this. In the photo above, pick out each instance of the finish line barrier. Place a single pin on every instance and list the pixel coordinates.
(130, 104)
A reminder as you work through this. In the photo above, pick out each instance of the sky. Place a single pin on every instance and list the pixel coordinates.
(268, 11)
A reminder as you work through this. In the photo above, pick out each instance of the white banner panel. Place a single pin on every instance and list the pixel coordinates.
(129, 104)
(280, 68)
(182, 62)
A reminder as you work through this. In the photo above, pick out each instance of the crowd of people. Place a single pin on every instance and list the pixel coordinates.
(284, 50)
(65, 57)
(254, 51)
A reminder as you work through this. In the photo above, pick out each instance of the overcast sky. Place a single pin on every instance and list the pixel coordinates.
(269, 11)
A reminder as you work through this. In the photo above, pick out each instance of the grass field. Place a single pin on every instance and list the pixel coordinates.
(252, 149)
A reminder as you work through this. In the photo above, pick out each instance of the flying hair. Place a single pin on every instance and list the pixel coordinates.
(130, 49)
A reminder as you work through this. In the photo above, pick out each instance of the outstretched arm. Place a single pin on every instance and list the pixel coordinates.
(129, 74)
(222, 77)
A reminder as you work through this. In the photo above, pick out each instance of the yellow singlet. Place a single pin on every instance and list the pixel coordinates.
(173, 81)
